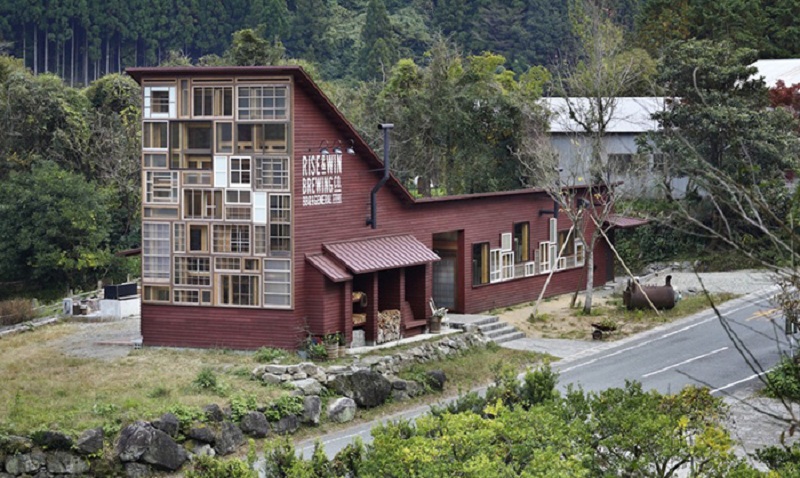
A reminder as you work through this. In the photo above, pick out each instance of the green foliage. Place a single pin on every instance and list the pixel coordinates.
(114, 93)
(207, 380)
(248, 49)
(54, 227)
(783, 381)
(785, 460)
(204, 466)
(242, 404)
(268, 354)
(159, 392)
(284, 406)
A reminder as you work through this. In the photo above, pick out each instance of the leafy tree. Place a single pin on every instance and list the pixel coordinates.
(115, 93)
(54, 228)
(378, 44)
(248, 49)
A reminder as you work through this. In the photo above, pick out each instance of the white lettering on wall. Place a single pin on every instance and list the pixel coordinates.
(322, 179)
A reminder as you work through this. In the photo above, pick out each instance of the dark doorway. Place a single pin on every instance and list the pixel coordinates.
(446, 272)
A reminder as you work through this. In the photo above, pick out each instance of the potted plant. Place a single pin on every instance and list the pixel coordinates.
(317, 351)
(332, 345)
(342, 345)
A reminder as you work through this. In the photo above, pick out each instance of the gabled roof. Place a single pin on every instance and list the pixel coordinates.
(380, 253)
(329, 267)
(787, 70)
(625, 222)
(302, 80)
(630, 114)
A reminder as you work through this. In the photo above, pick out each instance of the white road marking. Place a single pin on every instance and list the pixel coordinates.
(684, 362)
(648, 342)
(751, 377)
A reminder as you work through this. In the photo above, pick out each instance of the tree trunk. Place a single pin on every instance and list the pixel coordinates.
(24, 44)
(587, 303)
(108, 56)
(46, 52)
(35, 49)
(72, 59)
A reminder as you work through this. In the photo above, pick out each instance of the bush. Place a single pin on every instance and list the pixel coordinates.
(284, 406)
(207, 380)
(210, 467)
(15, 311)
(268, 354)
(784, 381)
(241, 404)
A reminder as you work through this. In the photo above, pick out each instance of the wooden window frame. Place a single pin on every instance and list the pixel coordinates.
(278, 283)
(217, 100)
(156, 251)
(522, 234)
(260, 102)
(191, 271)
(271, 178)
(480, 263)
(231, 239)
(227, 292)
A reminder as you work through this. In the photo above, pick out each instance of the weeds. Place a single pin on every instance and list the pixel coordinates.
(15, 311)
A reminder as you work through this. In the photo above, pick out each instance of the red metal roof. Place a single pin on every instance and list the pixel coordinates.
(625, 222)
(329, 267)
(381, 253)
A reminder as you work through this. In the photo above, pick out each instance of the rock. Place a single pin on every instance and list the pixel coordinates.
(137, 470)
(271, 378)
(300, 376)
(204, 450)
(228, 439)
(90, 441)
(52, 440)
(368, 388)
(342, 410)
(169, 424)
(24, 463)
(292, 369)
(255, 424)
(286, 425)
(275, 369)
(312, 409)
(400, 395)
(214, 413)
(309, 368)
(202, 434)
(308, 386)
(134, 440)
(66, 463)
(436, 379)
(13, 444)
(164, 453)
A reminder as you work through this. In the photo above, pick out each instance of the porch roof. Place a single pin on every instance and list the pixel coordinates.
(625, 222)
(329, 267)
(380, 253)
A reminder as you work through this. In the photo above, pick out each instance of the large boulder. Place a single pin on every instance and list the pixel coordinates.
(137, 470)
(366, 387)
(255, 424)
(312, 409)
(228, 439)
(169, 424)
(436, 379)
(214, 413)
(142, 442)
(308, 386)
(13, 444)
(25, 463)
(90, 441)
(342, 410)
(286, 425)
(134, 440)
(201, 434)
(62, 462)
(163, 453)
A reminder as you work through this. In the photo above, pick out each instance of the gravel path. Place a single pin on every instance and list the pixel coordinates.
(737, 282)
(100, 340)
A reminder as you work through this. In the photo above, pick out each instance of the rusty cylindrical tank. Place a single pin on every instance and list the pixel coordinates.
(662, 296)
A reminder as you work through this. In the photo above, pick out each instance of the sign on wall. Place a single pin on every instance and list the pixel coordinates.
(322, 179)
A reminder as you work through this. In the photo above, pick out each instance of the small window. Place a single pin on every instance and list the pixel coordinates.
(224, 138)
(154, 135)
(480, 263)
(521, 244)
(213, 101)
(495, 265)
(237, 196)
(262, 103)
(152, 160)
(272, 174)
(161, 187)
(277, 283)
(156, 293)
(156, 251)
(186, 296)
(241, 290)
(192, 271)
(198, 238)
(159, 102)
(228, 264)
(240, 171)
(202, 204)
(260, 240)
(179, 237)
(567, 237)
(232, 238)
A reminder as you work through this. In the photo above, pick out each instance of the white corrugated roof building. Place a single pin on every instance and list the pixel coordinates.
(630, 114)
(787, 70)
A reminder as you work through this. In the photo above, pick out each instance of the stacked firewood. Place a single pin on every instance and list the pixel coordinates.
(388, 325)
(359, 319)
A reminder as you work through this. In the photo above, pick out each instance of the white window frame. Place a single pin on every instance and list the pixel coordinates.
(161, 181)
(179, 237)
(156, 248)
(507, 265)
(277, 278)
(544, 256)
(220, 171)
(580, 252)
(530, 269)
(148, 113)
(270, 179)
(506, 241)
(260, 207)
(495, 266)
(238, 174)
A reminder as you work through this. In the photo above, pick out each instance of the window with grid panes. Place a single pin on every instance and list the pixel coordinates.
(192, 271)
(154, 135)
(271, 174)
(240, 171)
(155, 251)
(242, 290)
(262, 102)
(202, 204)
(213, 101)
(280, 216)
(277, 282)
(232, 238)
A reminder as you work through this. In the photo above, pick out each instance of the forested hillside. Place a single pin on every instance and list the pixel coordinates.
(81, 40)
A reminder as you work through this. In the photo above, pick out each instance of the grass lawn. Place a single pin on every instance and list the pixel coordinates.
(46, 388)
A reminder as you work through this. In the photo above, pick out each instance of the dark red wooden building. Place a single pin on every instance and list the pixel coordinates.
(256, 208)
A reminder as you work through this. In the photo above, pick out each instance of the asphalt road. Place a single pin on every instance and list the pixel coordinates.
(725, 355)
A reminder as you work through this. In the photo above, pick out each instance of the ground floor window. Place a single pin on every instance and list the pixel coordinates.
(155, 250)
(480, 263)
(239, 290)
(278, 282)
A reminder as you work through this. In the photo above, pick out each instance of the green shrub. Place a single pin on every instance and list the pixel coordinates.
(268, 354)
(15, 311)
(210, 467)
(186, 414)
(784, 380)
(284, 406)
(159, 392)
(207, 380)
(241, 404)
